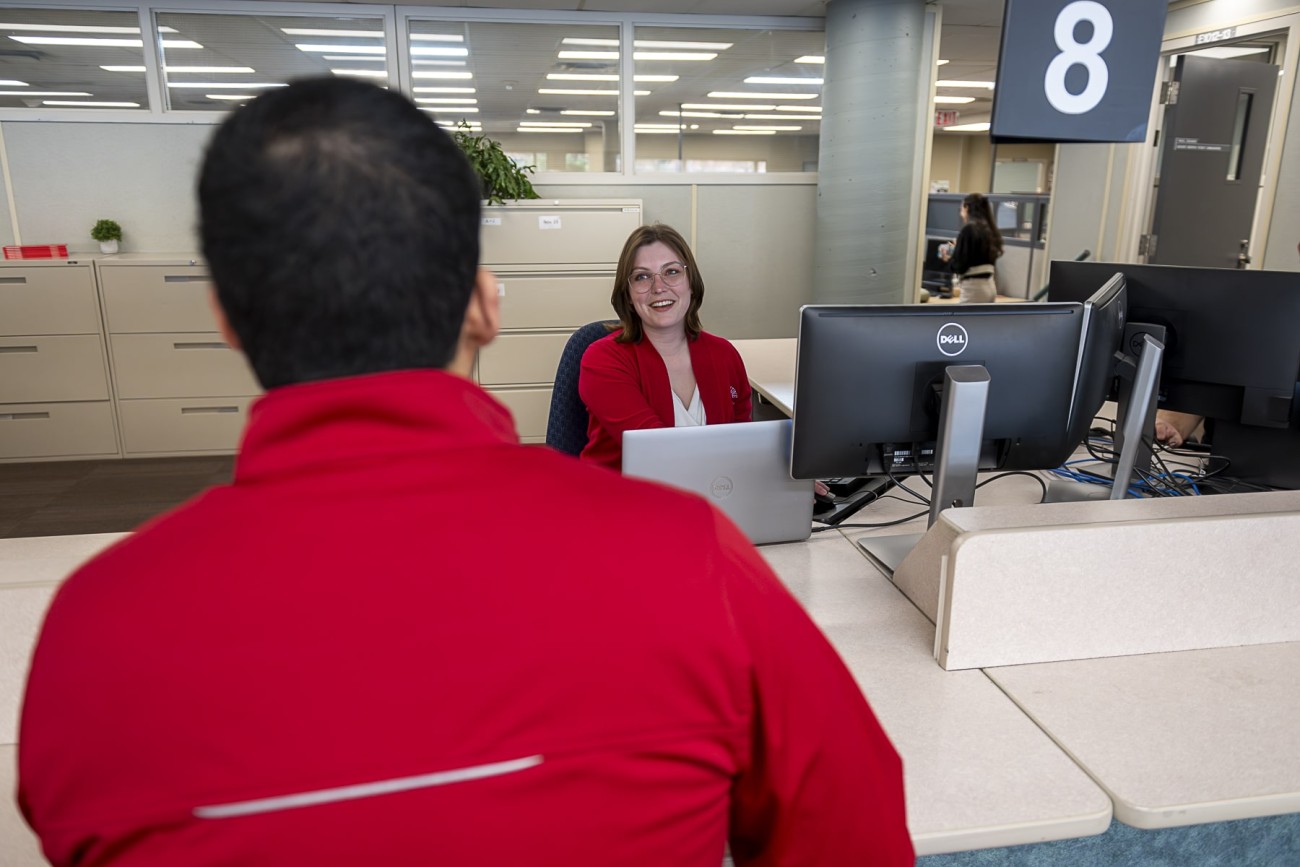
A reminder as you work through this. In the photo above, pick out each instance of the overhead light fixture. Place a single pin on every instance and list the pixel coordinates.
(671, 126)
(584, 76)
(438, 51)
(967, 127)
(574, 40)
(362, 73)
(354, 58)
(438, 73)
(743, 132)
(588, 55)
(575, 124)
(92, 42)
(672, 55)
(575, 112)
(689, 46)
(706, 106)
(437, 62)
(781, 79)
(88, 104)
(43, 93)
(451, 109)
(315, 48)
(702, 114)
(730, 94)
(342, 34)
(953, 100)
(122, 68)
(233, 97)
(642, 130)
(444, 90)
(224, 85)
(772, 128)
(808, 108)
(211, 70)
(940, 62)
(985, 85)
(78, 28)
(438, 37)
(810, 58)
(10, 82)
(810, 118)
(562, 91)
(448, 100)
(551, 129)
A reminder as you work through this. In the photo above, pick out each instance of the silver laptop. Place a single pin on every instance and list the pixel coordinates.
(743, 469)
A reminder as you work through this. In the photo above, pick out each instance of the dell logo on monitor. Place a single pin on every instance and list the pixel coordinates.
(721, 488)
(952, 339)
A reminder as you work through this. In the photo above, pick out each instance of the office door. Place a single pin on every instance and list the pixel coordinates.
(1212, 154)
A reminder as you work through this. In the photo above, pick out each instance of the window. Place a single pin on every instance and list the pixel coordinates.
(740, 101)
(545, 90)
(228, 59)
(60, 59)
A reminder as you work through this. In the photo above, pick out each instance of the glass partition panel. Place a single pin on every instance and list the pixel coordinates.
(235, 57)
(68, 59)
(736, 101)
(547, 92)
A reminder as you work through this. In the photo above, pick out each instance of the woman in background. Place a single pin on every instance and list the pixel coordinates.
(979, 244)
(659, 368)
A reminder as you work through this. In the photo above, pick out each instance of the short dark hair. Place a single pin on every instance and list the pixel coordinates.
(644, 236)
(341, 227)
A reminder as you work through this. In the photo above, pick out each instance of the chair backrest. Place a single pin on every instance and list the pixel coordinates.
(566, 428)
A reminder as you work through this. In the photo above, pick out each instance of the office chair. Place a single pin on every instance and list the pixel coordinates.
(1047, 287)
(566, 427)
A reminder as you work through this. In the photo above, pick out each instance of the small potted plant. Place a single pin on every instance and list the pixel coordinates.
(502, 177)
(108, 233)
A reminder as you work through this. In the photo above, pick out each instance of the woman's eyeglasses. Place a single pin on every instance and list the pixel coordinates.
(671, 276)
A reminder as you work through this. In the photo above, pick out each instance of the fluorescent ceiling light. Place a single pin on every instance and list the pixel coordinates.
(122, 68)
(588, 55)
(586, 91)
(641, 130)
(438, 62)
(672, 126)
(966, 127)
(211, 70)
(437, 73)
(78, 28)
(448, 100)
(9, 82)
(353, 59)
(1225, 52)
(438, 51)
(583, 76)
(953, 100)
(321, 31)
(772, 128)
(574, 112)
(233, 97)
(811, 118)
(92, 42)
(445, 90)
(224, 85)
(940, 62)
(702, 114)
(808, 108)
(689, 46)
(742, 132)
(575, 124)
(43, 93)
(451, 109)
(781, 79)
(671, 55)
(362, 73)
(438, 37)
(704, 106)
(573, 40)
(729, 94)
(553, 129)
(315, 48)
(532, 111)
(810, 58)
(986, 85)
(90, 104)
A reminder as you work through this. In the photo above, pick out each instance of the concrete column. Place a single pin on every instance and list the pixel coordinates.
(878, 71)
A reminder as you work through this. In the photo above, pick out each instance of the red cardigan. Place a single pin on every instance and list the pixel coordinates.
(625, 387)
(343, 624)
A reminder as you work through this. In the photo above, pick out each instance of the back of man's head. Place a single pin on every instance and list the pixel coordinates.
(341, 228)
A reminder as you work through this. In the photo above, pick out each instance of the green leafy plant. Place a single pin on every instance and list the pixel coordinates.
(106, 230)
(502, 177)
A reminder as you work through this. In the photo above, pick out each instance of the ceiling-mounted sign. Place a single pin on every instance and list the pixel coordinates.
(1216, 36)
(945, 117)
(1077, 70)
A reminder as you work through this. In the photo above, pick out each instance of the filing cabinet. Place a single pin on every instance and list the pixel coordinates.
(55, 399)
(181, 389)
(554, 262)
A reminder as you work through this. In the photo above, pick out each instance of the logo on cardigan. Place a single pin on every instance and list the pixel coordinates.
(734, 394)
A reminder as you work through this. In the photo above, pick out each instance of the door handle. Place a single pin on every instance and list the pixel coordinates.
(1243, 255)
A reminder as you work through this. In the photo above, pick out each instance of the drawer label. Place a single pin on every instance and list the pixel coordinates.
(501, 290)
(549, 222)
(491, 221)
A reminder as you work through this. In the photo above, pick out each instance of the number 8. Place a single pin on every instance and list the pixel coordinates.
(1087, 55)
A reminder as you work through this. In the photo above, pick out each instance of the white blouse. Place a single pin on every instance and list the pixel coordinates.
(688, 416)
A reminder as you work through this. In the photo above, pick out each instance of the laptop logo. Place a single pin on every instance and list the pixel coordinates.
(721, 488)
(951, 339)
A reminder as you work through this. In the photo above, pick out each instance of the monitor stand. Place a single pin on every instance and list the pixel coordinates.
(956, 458)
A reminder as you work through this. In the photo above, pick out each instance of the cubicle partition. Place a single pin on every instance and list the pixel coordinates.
(1022, 220)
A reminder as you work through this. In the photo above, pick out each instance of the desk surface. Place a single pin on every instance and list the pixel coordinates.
(769, 364)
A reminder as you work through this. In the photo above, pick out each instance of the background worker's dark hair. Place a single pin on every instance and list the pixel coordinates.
(341, 228)
(980, 213)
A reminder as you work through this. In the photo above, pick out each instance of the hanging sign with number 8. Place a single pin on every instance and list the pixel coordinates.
(1085, 54)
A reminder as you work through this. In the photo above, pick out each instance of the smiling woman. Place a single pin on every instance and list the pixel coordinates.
(658, 368)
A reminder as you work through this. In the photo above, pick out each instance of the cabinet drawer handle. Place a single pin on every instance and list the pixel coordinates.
(210, 344)
(19, 349)
(13, 280)
(194, 410)
(22, 416)
(186, 278)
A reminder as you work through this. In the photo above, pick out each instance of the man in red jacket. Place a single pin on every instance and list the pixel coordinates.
(339, 658)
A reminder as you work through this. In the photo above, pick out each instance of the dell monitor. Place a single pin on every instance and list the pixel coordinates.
(1232, 355)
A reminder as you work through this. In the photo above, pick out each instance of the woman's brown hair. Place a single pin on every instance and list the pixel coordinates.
(621, 298)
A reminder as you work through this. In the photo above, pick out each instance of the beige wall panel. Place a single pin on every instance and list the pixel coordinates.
(61, 368)
(946, 160)
(157, 298)
(755, 250)
(519, 359)
(179, 365)
(46, 430)
(48, 300)
(529, 406)
(193, 425)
